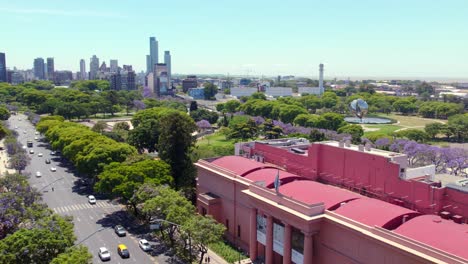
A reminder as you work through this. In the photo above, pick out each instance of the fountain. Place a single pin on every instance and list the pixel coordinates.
(360, 108)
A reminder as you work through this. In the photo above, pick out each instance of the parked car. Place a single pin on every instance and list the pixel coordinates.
(53, 169)
(92, 199)
(40, 155)
(144, 245)
(104, 254)
(47, 161)
(120, 230)
(38, 174)
(53, 153)
(123, 251)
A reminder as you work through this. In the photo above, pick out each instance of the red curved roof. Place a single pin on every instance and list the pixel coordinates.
(438, 233)
(311, 192)
(238, 164)
(373, 212)
(268, 175)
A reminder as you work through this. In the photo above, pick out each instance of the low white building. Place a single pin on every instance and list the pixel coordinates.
(278, 91)
(309, 90)
(243, 91)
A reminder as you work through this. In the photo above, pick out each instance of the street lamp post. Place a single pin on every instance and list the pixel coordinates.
(50, 184)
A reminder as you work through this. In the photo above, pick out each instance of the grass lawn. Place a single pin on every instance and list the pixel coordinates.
(384, 129)
(413, 121)
(215, 140)
(214, 145)
(227, 252)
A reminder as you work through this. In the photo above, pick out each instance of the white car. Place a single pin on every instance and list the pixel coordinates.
(24, 147)
(40, 155)
(24, 132)
(36, 133)
(144, 245)
(31, 151)
(53, 169)
(38, 174)
(16, 127)
(36, 138)
(92, 199)
(104, 254)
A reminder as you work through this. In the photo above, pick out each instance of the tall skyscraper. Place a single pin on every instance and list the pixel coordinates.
(3, 73)
(39, 70)
(93, 67)
(50, 69)
(322, 90)
(83, 70)
(167, 61)
(153, 52)
(114, 66)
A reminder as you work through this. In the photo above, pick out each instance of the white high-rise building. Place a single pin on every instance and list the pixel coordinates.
(93, 67)
(83, 70)
(167, 61)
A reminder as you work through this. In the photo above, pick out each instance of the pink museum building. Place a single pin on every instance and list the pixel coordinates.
(289, 201)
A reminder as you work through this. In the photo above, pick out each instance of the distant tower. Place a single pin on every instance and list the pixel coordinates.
(148, 64)
(3, 71)
(50, 69)
(167, 61)
(154, 52)
(93, 67)
(39, 71)
(83, 70)
(322, 90)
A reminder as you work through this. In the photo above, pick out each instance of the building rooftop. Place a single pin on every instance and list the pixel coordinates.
(373, 151)
(437, 232)
(373, 212)
(267, 177)
(311, 192)
(239, 165)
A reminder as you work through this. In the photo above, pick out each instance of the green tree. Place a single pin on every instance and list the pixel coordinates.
(40, 244)
(122, 180)
(169, 205)
(231, 106)
(75, 255)
(4, 113)
(404, 106)
(99, 126)
(355, 131)
(413, 134)
(203, 114)
(175, 145)
(331, 121)
(202, 231)
(257, 96)
(210, 91)
(289, 112)
(433, 129)
(458, 124)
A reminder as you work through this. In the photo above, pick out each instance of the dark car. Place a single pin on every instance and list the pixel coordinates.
(123, 251)
(120, 230)
(47, 161)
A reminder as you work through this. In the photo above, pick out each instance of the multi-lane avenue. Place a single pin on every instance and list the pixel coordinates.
(66, 194)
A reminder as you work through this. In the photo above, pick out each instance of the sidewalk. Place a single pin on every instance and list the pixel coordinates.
(214, 258)
(3, 161)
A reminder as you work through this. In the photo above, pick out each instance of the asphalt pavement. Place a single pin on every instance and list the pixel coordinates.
(93, 223)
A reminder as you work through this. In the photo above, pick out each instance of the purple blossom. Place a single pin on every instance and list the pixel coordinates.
(258, 120)
(382, 142)
(147, 93)
(139, 105)
(203, 124)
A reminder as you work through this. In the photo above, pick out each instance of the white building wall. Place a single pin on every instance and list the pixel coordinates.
(238, 92)
(279, 91)
(309, 90)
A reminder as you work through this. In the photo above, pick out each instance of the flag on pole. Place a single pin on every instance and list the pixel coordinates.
(277, 182)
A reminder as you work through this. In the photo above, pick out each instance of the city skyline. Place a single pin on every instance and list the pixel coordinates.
(379, 40)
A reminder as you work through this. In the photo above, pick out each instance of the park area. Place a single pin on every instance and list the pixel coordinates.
(402, 122)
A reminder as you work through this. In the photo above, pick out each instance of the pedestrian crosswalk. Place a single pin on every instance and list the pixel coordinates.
(83, 206)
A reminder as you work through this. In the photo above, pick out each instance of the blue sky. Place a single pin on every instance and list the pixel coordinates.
(371, 38)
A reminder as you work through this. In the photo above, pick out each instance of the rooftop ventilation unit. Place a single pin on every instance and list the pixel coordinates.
(298, 151)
